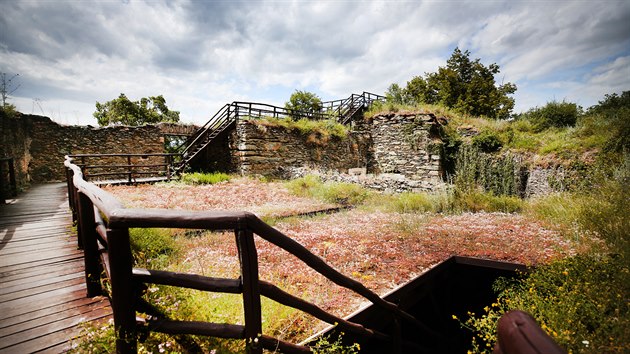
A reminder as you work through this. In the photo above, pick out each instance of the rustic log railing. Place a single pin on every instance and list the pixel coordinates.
(10, 190)
(127, 168)
(103, 232)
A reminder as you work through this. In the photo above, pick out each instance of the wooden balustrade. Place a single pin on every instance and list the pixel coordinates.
(106, 239)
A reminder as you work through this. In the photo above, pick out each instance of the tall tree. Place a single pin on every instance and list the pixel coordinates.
(465, 85)
(144, 111)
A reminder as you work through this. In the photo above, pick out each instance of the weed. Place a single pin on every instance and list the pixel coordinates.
(581, 302)
(325, 345)
(332, 192)
(205, 178)
(342, 193)
(153, 248)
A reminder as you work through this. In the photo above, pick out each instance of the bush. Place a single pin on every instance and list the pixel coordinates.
(342, 193)
(205, 178)
(487, 142)
(331, 192)
(553, 114)
(413, 202)
(581, 302)
(304, 186)
(473, 201)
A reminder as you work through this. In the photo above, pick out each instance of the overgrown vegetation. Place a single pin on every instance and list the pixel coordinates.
(204, 178)
(332, 192)
(318, 131)
(581, 302)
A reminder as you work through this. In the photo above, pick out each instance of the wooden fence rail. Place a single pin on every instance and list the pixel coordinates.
(105, 241)
(127, 168)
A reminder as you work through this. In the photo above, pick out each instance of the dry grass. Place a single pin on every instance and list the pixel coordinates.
(380, 249)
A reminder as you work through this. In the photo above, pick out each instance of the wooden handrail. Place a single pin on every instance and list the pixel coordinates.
(109, 235)
(130, 167)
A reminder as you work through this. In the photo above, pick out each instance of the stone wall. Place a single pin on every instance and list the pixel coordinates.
(38, 144)
(272, 150)
(408, 144)
(404, 148)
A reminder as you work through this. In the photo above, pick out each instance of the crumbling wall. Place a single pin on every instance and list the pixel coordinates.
(38, 144)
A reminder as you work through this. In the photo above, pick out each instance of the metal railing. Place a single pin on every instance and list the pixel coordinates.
(103, 232)
(343, 111)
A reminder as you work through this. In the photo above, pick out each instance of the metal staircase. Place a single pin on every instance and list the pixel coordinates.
(343, 111)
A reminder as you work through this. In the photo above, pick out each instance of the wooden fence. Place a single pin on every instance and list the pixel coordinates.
(125, 168)
(103, 233)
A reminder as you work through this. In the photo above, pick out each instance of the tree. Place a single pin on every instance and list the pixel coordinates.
(145, 111)
(465, 85)
(303, 103)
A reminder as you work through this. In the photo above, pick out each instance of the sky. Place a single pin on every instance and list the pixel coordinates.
(201, 55)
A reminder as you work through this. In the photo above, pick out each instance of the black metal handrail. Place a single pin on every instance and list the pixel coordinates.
(343, 111)
(103, 232)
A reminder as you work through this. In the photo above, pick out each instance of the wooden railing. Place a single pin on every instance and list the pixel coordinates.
(103, 232)
(127, 168)
(10, 190)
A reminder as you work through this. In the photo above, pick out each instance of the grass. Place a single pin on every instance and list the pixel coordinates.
(196, 178)
(332, 192)
(323, 129)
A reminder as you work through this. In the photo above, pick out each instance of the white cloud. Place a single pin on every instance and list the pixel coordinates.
(200, 55)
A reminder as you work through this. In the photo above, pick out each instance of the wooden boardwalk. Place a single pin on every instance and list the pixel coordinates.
(42, 286)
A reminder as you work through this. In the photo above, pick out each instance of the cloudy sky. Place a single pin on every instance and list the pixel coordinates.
(203, 54)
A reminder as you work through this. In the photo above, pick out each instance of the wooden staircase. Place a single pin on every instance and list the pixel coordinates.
(344, 111)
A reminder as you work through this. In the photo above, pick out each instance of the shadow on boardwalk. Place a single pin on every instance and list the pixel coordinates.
(42, 285)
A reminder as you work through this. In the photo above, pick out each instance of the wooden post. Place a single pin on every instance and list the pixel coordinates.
(90, 246)
(129, 167)
(251, 291)
(123, 301)
(12, 182)
(2, 188)
(70, 184)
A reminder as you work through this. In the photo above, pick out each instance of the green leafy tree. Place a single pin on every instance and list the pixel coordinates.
(465, 85)
(553, 114)
(303, 104)
(124, 111)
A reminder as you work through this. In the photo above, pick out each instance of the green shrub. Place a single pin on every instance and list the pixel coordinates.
(487, 142)
(205, 178)
(553, 114)
(304, 186)
(413, 202)
(475, 201)
(342, 193)
(581, 302)
(331, 192)
(152, 248)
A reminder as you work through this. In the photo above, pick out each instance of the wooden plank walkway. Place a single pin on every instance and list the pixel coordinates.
(42, 286)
